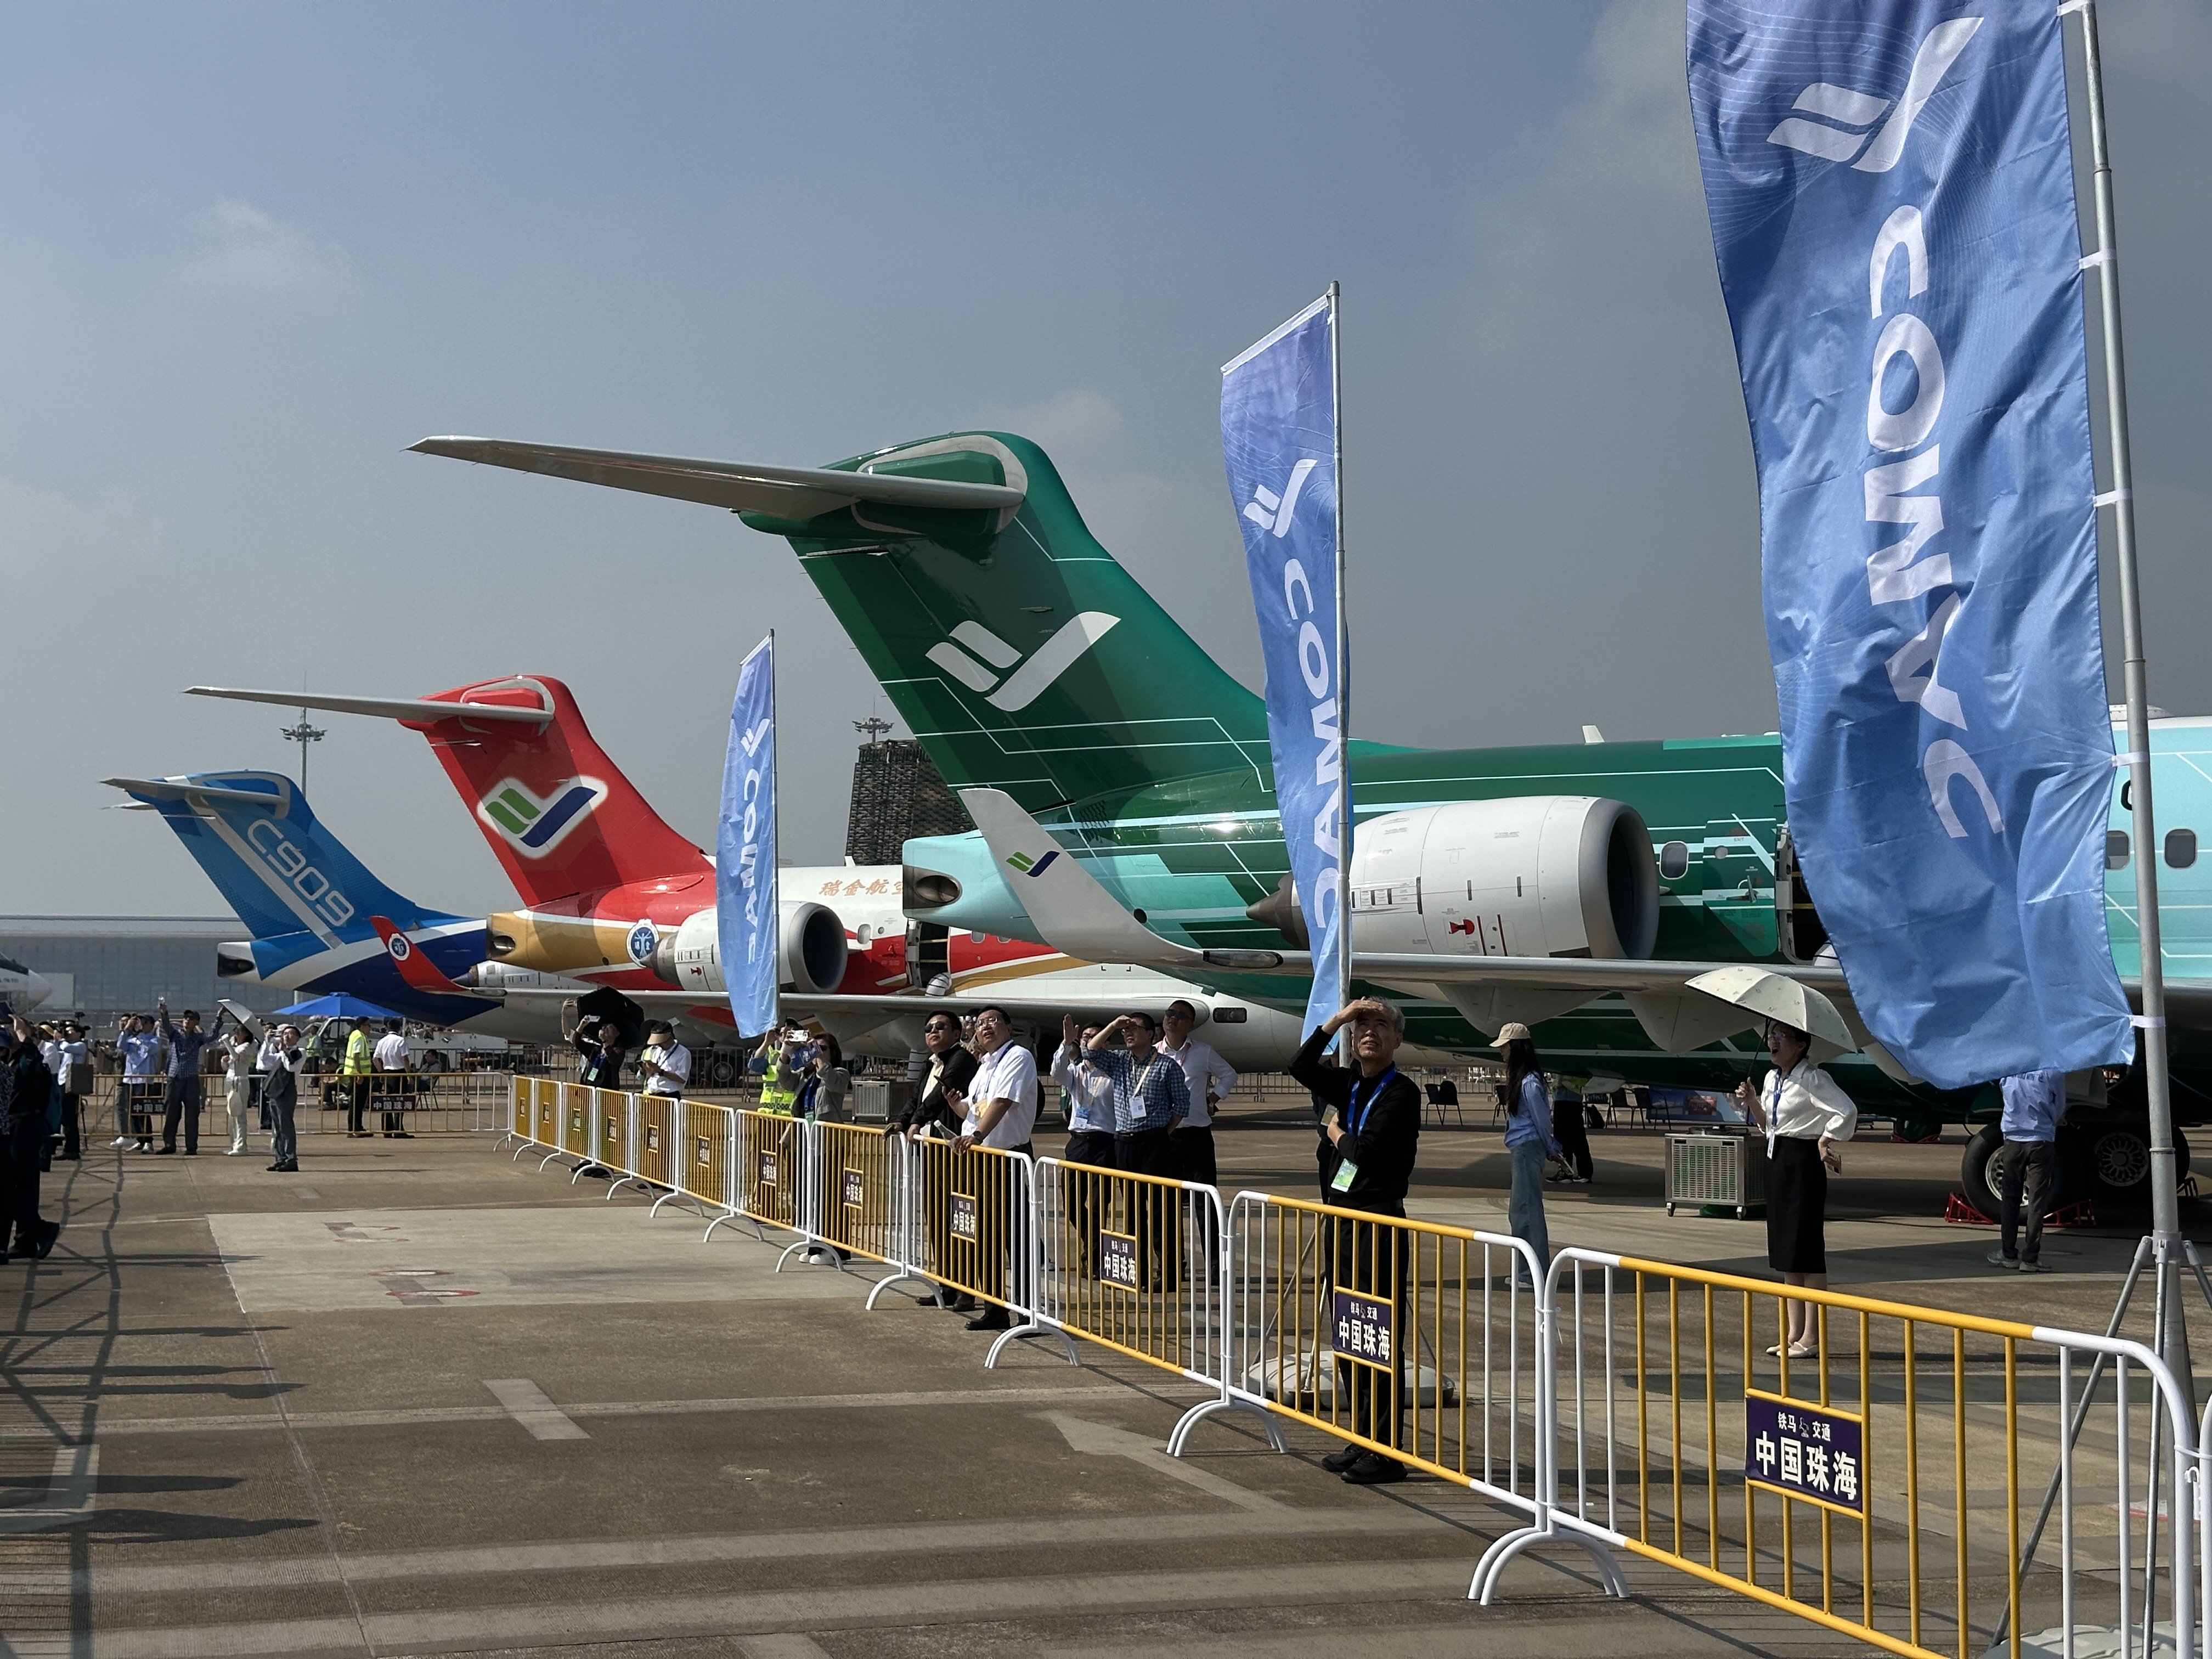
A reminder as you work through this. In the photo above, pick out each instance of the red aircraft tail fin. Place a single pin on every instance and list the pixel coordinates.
(558, 812)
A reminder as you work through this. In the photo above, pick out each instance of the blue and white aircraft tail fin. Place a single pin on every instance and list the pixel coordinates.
(320, 921)
(279, 869)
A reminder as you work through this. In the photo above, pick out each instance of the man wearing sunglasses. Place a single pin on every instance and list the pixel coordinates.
(947, 1066)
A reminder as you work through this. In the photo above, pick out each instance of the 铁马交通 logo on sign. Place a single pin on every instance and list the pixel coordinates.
(534, 824)
(978, 659)
(1851, 127)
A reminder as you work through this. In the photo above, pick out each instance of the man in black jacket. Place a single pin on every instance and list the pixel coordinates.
(1370, 1126)
(949, 1067)
(24, 1091)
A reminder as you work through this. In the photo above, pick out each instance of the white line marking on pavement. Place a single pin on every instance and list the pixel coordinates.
(69, 1492)
(1101, 1440)
(939, 1601)
(422, 1416)
(784, 1644)
(530, 1405)
(938, 1539)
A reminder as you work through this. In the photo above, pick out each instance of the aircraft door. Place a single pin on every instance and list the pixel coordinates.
(1740, 891)
(1802, 933)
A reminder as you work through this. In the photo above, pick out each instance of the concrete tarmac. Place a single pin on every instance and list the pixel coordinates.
(423, 1398)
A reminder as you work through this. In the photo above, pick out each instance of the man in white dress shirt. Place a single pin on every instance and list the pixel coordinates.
(391, 1061)
(1000, 1103)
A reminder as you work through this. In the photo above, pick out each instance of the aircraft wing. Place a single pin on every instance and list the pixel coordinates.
(1077, 915)
(787, 492)
(389, 708)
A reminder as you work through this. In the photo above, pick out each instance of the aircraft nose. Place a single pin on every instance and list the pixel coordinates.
(37, 989)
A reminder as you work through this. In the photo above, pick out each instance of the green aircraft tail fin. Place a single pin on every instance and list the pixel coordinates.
(1020, 653)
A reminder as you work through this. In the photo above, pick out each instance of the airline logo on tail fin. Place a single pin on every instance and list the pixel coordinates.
(415, 970)
(1023, 687)
(533, 824)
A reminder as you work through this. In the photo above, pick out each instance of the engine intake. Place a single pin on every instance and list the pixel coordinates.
(811, 951)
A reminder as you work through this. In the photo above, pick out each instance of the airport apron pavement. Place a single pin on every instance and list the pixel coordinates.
(424, 1398)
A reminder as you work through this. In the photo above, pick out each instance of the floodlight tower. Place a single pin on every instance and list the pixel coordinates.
(303, 734)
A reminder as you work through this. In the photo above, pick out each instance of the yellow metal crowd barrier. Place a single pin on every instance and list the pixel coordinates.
(1880, 1483)
(1872, 1481)
(856, 1192)
(1420, 1342)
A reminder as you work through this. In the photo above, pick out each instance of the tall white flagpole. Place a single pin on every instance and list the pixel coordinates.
(1343, 677)
(2170, 1340)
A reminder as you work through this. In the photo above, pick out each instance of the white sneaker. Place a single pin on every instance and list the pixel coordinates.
(120, 1140)
(235, 1151)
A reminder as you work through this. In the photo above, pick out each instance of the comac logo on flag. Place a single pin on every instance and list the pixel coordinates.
(1855, 113)
(1029, 682)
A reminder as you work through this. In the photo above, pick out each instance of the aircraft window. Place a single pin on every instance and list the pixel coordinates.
(1674, 860)
(2116, 849)
(2180, 849)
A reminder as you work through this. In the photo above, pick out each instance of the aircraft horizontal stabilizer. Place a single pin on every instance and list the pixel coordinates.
(152, 789)
(389, 708)
(786, 492)
(415, 968)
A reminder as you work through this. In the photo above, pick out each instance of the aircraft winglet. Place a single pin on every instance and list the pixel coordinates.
(417, 970)
(149, 790)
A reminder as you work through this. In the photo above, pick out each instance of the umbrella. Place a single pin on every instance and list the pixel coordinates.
(1769, 996)
(607, 1003)
(337, 1005)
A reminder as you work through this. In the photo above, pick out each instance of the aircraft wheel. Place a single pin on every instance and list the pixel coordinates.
(721, 1071)
(1980, 1171)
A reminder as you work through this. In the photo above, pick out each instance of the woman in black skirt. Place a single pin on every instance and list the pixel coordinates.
(1805, 1114)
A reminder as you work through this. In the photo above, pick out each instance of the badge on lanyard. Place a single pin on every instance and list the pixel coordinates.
(1346, 1173)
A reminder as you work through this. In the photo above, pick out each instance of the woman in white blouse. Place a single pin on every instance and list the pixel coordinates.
(1805, 1114)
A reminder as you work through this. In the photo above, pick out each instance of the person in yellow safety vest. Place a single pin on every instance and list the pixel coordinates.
(354, 1071)
(779, 1081)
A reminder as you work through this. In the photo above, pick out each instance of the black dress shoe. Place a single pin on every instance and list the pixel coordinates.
(995, 1320)
(1343, 1458)
(46, 1239)
(1373, 1470)
(165, 1152)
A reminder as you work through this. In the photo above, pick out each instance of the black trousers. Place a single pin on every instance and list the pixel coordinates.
(1193, 1154)
(1372, 1260)
(20, 1143)
(180, 1100)
(1571, 1130)
(2030, 1168)
(1158, 1217)
(356, 1089)
(72, 1127)
(1087, 1200)
(395, 1089)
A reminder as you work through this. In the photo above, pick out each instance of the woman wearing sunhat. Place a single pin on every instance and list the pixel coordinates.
(1528, 1137)
(1804, 1114)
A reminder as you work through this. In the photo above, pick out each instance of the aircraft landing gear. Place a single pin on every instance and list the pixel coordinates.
(2107, 1161)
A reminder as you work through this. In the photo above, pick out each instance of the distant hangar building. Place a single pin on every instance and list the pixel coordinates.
(105, 966)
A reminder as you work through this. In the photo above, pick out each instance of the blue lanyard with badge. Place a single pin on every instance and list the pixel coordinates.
(1346, 1171)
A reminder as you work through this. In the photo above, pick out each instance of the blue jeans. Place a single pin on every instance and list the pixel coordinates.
(1526, 1208)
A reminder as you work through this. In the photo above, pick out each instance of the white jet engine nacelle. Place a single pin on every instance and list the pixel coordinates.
(1529, 876)
(810, 951)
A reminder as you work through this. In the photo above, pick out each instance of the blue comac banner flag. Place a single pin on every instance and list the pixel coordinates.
(745, 848)
(1278, 438)
(1891, 193)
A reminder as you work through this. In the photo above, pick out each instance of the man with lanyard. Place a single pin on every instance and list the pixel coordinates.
(1150, 1099)
(140, 1049)
(1000, 1102)
(180, 1100)
(353, 1069)
(666, 1063)
(947, 1070)
(393, 1063)
(1370, 1125)
(1208, 1078)
(1090, 1131)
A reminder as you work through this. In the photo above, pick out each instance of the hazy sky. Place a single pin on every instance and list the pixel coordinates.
(248, 254)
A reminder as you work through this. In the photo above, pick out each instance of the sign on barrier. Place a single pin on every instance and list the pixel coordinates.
(1874, 1480)
(768, 1155)
(972, 1227)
